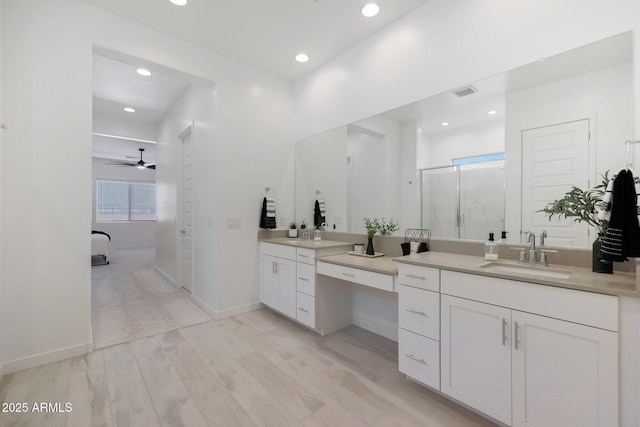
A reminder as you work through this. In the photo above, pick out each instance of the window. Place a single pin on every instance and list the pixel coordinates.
(478, 159)
(125, 201)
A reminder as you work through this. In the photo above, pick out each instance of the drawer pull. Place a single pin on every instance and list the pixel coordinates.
(348, 275)
(303, 278)
(413, 276)
(303, 309)
(303, 256)
(411, 356)
(516, 339)
(413, 310)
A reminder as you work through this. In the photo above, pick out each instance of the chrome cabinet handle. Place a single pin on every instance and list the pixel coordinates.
(303, 278)
(348, 275)
(413, 276)
(516, 339)
(504, 331)
(303, 309)
(303, 256)
(413, 310)
(411, 356)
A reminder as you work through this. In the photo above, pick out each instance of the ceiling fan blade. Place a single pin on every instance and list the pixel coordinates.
(150, 166)
(118, 163)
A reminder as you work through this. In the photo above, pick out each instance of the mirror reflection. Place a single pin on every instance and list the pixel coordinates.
(480, 158)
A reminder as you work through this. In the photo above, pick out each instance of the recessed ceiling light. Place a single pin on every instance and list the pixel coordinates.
(492, 112)
(143, 72)
(370, 9)
(302, 57)
(129, 110)
(445, 123)
(179, 2)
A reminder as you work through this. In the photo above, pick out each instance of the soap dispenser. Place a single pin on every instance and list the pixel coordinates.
(491, 249)
(503, 238)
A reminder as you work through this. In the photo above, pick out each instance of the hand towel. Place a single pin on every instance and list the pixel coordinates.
(318, 215)
(268, 214)
(622, 237)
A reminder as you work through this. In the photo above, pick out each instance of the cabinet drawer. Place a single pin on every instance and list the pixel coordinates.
(280, 251)
(307, 256)
(306, 310)
(356, 275)
(419, 311)
(419, 277)
(419, 358)
(306, 279)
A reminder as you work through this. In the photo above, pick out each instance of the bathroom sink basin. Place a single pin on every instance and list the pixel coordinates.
(526, 270)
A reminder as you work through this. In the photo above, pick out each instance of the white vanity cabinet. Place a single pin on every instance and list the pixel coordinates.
(278, 278)
(306, 286)
(529, 355)
(419, 323)
(288, 279)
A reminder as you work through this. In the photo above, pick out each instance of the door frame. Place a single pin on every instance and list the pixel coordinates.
(591, 162)
(186, 133)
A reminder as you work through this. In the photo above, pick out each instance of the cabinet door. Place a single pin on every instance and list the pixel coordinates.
(269, 282)
(286, 271)
(476, 355)
(564, 374)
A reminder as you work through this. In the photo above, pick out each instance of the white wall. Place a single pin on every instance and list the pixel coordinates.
(124, 235)
(443, 45)
(46, 217)
(124, 126)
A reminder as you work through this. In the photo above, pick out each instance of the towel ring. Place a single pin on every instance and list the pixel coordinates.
(269, 191)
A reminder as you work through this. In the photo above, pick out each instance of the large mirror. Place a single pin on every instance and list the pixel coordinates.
(480, 158)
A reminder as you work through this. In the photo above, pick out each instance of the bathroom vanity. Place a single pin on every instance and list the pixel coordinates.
(525, 347)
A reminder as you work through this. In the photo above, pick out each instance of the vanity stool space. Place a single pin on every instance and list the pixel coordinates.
(522, 353)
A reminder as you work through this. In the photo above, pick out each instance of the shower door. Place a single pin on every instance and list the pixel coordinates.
(463, 201)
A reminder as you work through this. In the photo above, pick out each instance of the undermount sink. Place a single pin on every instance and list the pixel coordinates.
(526, 270)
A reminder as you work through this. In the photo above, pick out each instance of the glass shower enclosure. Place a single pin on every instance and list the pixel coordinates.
(464, 201)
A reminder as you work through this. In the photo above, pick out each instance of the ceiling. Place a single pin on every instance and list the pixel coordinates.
(265, 34)
(262, 34)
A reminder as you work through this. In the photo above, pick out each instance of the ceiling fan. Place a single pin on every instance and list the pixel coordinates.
(140, 164)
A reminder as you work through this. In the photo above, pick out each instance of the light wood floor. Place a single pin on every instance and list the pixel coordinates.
(254, 369)
(130, 300)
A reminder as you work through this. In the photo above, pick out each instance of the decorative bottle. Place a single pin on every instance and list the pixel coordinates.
(491, 249)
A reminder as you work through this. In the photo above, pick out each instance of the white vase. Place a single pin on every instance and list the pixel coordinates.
(293, 232)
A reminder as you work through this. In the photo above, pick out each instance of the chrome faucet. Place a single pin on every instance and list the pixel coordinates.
(531, 239)
(532, 246)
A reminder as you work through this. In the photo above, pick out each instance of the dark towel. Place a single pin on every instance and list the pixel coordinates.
(100, 232)
(318, 217)
(266, 221)
(622, 237)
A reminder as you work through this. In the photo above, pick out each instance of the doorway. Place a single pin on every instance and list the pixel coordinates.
(140, 292)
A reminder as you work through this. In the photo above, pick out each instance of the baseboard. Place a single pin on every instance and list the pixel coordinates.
(44, 358)
(376, 325)
(210, 311)
(219, 314)
(237, 310)
(165, 276)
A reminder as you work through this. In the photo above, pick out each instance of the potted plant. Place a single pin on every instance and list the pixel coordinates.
(581, 205)
(293, 229)
(374, 226)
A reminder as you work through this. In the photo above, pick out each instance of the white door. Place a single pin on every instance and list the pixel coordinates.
(476, 355)
(554, 158)
(187, 210)
(286, 270)
(564, 374)
(269, 290)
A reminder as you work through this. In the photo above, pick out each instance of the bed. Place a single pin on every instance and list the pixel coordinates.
(100, 248)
